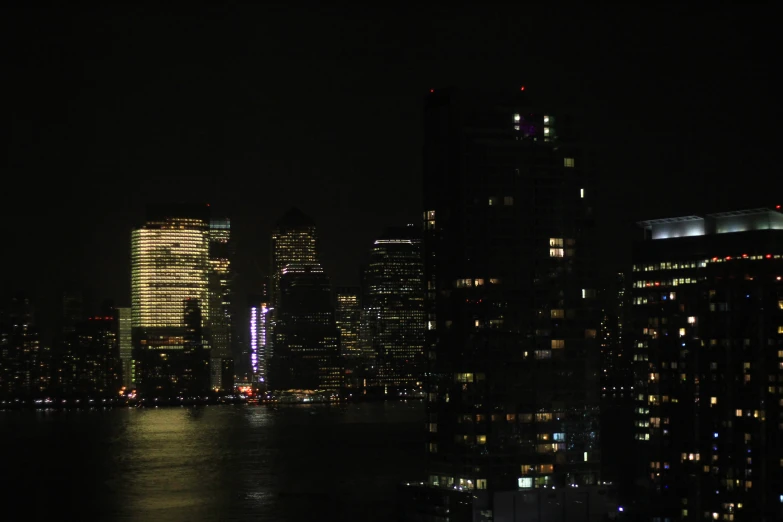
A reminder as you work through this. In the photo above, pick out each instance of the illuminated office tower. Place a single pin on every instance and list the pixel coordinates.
(512, 318)
(125, 341)
(307, 344)
(707, 305)
(348, 317)
(294, 240)
(259, 357)
(170, 264)
(394, 307)
(220, 325)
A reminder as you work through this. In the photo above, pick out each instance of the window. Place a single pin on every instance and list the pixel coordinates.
(543, 354)
(557, 313)
(493, 201)
(481, 483)
(481, 439)
(582, 193)
(547, 119)
(692, 320)
(588, 293)
(557, 344)
(508, 201)
(463, 377)
(713, 400)
(433, 447)
(568, 162)
(556, 252)
(590, 333)
(555, 242)
(546, 468)
(547, 131)
(525, 482)
(516, 118)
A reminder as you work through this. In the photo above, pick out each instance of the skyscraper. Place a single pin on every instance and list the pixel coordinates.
(394, 307)
(307, 344)
(707, 302)
(348, 317)
(196, 361)
(89, 358)
(294, 240)
(259, 356)
(125, 340)
(170, 264)
(220, 324)
(513, 378)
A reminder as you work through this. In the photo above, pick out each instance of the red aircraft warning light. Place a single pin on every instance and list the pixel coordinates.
(522, 88)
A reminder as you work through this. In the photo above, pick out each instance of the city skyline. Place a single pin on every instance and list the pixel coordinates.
(245, 158)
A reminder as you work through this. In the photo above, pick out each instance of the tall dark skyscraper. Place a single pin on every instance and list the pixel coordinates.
(707, 303)
(307, 344)
(512, 319)
(220, 323)
(170, 264)
(195, 374)
(393, 307)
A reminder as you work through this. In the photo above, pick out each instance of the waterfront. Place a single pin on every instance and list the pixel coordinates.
(227, 463)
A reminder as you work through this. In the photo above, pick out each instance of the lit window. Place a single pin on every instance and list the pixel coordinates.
(557, 343)
(691, 320)
(546, 119)
(590, 333)
(682, 332)
(582, 193)
(516, 118)
(493, 201)
(525, 482)
(546, 131)
(555, 241)
(780, 329)
(508, 200)
(568, 162)
(556, 252)
(713, 400)
(463, 377)
(481, 483)
(557, 313)
(481, 439)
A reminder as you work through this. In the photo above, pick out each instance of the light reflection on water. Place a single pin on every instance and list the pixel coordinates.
(212, 463)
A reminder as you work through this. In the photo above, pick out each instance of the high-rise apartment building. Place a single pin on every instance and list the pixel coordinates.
(394, 307)
(170, 265)
(220, 324)
(348, 313)
(125, 341)
(307, 344)
(512, 319)
(707, 300)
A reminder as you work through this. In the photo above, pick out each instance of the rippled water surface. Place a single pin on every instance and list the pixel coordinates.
(232, 463)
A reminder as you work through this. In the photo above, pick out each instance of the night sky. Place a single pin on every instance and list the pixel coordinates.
(255, 110)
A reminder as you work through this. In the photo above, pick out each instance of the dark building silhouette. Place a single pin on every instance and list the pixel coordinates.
(24, 364)
(307, 341)
(73, 311)
(195, 359)
(617, 397)
(707, 303)
(220, 318)
(88, 359)
(393, 307)
(512, 316)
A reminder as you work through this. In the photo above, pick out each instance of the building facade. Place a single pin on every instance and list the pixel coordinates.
(220, 321)
(89, 363)
(307, 343)
(393, 307)
(170, 265)
(125, 339)
(707, 302)
(348, 314)
(259, 356)
(512, 318)
(24, 365)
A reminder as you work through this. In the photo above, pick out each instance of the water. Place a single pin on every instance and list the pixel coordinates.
(215, 463)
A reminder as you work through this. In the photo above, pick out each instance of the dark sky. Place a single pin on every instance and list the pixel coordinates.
(257, 109)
